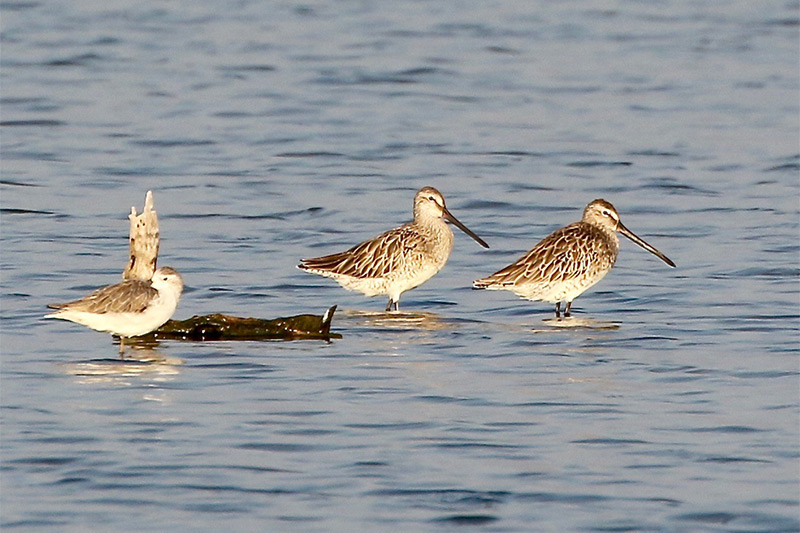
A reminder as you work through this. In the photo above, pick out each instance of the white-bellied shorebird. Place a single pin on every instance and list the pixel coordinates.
(400, 259)
(128, 309)
(568, 261)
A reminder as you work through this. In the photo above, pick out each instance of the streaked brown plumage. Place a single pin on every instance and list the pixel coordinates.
(568, 261)
(400, 259)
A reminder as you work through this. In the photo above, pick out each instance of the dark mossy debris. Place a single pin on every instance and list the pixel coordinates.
(218, 327)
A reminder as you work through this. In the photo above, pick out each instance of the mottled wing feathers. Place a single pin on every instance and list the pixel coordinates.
(566, 254)
(374, 258)
(131, 296)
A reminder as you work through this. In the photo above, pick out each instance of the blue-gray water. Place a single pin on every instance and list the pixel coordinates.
(275, 131)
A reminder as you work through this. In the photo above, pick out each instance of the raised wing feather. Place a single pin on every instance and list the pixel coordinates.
(374, 258)
(563, 255)
(130, 296)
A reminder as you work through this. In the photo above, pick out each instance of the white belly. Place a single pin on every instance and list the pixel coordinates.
(125, 324)
(392, 285)
(562, 291)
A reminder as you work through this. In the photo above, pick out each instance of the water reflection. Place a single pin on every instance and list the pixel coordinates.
(572, 322)
(418, 320)
(141, 358)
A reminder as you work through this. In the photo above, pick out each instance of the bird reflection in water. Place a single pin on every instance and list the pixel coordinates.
(418, 320)
(141, 358)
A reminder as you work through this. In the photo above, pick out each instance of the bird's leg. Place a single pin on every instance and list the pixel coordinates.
(558, 309)
(389, 305)
(121, 347)
(566, 311)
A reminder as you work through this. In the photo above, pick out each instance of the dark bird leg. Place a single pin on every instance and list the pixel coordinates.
(558, 309)
(391, 304)
(566, 311)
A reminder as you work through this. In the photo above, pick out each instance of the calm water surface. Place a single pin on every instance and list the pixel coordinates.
(275, 131)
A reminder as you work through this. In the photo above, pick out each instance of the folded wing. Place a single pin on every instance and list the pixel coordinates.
(131, 296)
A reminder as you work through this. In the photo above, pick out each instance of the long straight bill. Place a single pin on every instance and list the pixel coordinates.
(449, 216)
(635, 238)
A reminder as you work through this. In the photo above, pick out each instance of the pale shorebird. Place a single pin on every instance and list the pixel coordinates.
(400, 259)
(128, 309)
(568, 261)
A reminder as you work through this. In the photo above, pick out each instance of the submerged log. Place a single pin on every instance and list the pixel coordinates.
(224, 327)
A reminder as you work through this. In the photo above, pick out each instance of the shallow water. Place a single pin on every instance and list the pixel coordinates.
(274, 132)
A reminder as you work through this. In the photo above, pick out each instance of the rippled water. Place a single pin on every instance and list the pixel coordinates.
(275, 131)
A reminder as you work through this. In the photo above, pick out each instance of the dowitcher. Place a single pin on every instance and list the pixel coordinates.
(128, 309)
(400, 259)
(568, 261)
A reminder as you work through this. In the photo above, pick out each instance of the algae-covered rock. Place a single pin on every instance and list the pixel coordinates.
(224, 327)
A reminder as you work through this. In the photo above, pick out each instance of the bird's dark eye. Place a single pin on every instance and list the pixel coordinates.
(606, 213)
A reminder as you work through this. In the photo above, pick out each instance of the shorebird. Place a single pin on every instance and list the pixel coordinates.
(400, 259)
(128, 309)
(568, 261)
